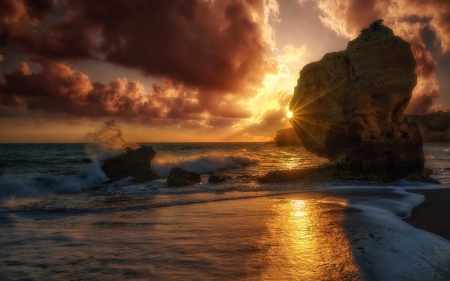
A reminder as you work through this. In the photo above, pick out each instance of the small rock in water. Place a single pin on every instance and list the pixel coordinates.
(217, 178)
(181, 177)
(245, 177)
(145, 176)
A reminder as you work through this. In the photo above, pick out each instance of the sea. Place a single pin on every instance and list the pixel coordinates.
(61, 219)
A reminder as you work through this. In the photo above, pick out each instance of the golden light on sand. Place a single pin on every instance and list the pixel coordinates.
(290, 114)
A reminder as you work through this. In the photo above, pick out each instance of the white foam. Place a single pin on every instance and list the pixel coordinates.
(15, 187)
(389, 248)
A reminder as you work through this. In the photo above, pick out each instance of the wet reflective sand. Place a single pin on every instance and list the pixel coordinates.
(297, 237)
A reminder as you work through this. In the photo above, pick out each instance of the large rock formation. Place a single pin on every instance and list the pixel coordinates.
(434, 127)
(348, 107)
(132, 163)
(287, 137)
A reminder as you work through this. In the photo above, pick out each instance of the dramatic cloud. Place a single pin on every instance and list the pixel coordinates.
(409, 19)
(18, 18)
(216, 45)
(57, 88)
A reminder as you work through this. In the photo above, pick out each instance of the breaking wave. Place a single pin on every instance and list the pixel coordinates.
(201, 164)
(16, 187)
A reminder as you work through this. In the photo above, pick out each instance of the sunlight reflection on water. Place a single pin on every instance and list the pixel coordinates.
(311, 243)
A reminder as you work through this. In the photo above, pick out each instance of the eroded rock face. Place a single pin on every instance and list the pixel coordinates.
(348, 107)
(132, 163)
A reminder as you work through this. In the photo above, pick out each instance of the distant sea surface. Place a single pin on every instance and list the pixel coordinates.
(59, 220)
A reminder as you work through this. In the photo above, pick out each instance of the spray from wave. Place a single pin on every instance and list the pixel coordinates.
(107, 140)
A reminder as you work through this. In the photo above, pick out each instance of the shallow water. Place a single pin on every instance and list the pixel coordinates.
(60, 222)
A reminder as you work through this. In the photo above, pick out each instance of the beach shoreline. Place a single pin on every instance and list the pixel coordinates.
(433, 214)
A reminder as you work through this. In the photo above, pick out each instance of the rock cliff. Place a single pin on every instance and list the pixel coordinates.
(286, 137)
(434, 127)
(348, 107)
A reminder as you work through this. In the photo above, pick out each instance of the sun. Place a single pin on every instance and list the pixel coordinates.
(290, 114)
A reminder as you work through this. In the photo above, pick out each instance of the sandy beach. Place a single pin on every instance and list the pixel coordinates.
(433, 214)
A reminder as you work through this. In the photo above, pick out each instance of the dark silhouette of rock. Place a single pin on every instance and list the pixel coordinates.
(421, 178)
(218, 178)
(132, 163)
(287, 137)
(349, 107)
(319, 173)
(245, 176)
(181, 177)
(328, 172)
(146, 175)
(434, 126)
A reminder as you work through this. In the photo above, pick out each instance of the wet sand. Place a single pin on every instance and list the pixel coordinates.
(433, 214)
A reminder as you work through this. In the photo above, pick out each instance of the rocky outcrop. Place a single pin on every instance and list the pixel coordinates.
(434, 127)
(348, 107)
(132, 163)
(287, 137)
(180, 177)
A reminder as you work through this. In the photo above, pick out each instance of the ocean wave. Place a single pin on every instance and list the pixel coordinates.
(201, 164)
(16, 187)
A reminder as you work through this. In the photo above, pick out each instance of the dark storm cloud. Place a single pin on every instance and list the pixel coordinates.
(217, 45)
(18, 18)
(210, 54)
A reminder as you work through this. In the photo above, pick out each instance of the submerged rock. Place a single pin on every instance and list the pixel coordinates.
(180, 177)
(132, 163)
(287, 137)
(349, 107)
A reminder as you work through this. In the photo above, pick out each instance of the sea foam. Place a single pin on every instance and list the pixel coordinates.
(16, 187)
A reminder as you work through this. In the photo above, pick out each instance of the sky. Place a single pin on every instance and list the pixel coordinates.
(189, 70)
